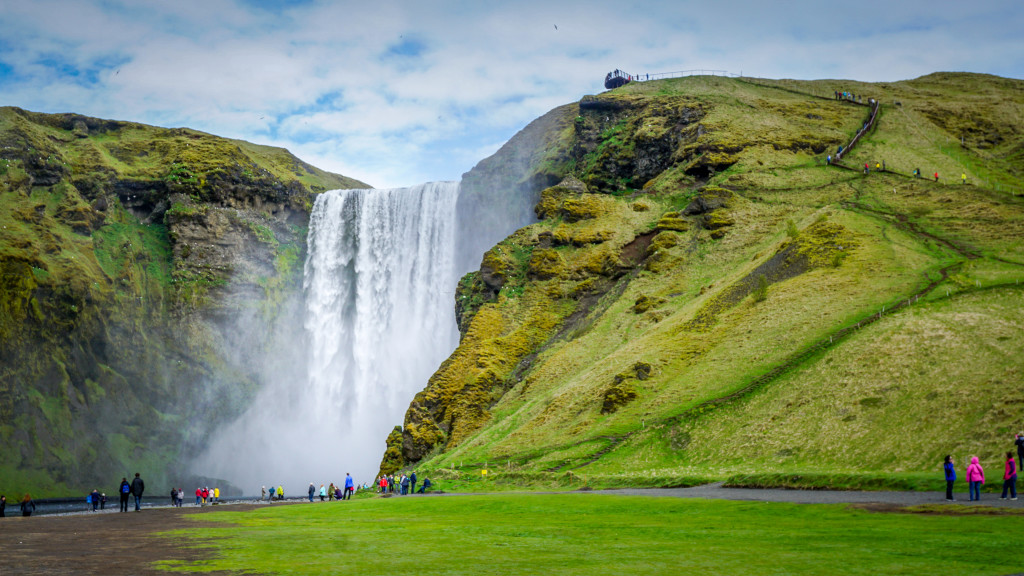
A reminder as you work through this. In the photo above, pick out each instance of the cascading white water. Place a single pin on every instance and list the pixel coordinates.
(379, 310)
(379, 320)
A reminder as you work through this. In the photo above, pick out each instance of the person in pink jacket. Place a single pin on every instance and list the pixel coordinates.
(975, 478)
(1010, 477)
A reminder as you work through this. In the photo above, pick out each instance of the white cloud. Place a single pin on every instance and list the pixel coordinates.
(323, 78)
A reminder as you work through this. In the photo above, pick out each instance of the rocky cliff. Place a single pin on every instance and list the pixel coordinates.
(141, 271)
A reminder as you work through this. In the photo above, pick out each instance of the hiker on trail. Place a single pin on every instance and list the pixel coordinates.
(383, 485)
(124, 490)
(323, 492)
(349, 486)
(950, 477)
(138, 487)
(975, 478)
(216, 493)
(174, 496)
(263, 493)
(866, 170)
(839, 152)
(936, 176)
(103, 501)
(312, 490)
(412, 486)
(405, 484)
(199, 496)
(3, 505)
(828, 160)
(181, 497)
(426, 484)
(330, 492)
(27, 505)
(205, 494)
(272, 492)
(1010, 478)
(917, 172)
(280, 492)
(878, 166)
(94, 497)
(1018, 440)
(963, 178)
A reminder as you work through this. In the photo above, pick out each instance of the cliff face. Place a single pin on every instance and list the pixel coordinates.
(700, 281)
(141, 269)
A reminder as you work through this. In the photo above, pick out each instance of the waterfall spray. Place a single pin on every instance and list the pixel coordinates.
(379, 319)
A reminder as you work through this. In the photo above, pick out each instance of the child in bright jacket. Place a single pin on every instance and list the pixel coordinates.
(975, 478)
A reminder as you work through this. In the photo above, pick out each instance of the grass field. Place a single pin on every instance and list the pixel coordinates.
(597, 534)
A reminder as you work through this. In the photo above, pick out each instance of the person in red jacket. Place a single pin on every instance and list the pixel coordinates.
(1010, 477)
(975, 478)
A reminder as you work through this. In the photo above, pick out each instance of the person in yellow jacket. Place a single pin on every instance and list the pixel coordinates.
(280, 493)
(963, 177)
(216, 494)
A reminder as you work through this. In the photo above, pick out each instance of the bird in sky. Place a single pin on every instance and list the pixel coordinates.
(556, 26)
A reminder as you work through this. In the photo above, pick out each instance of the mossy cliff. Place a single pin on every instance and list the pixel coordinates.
(136, 265)
(701, 295)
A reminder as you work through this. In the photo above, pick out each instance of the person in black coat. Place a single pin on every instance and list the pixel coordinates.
(3, 505)
(1019, 441)
(412, 480)
(138, 487)
(123, 491)
(94, 497)
(27, 506)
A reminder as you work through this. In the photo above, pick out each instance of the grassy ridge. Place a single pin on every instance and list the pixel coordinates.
(838, 247)
(584, 533)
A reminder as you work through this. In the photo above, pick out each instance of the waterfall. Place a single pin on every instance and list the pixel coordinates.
(379, 285)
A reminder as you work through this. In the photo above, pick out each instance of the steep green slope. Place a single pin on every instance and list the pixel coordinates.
(707, 298)
(137, 265)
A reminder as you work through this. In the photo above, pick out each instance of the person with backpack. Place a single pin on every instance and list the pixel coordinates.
(975, 478)
(27, 506)
(94, 498)
(950, 477)
(1010, 478)
(138, 487)
(123, 491)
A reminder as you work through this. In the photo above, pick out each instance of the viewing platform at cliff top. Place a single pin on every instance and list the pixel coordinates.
(617, 78)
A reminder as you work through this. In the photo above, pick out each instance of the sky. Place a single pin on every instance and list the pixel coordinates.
(404, 92)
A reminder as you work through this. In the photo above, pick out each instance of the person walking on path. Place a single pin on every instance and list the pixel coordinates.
(199, 496)
(1010, 478)
(349, 487)
(94, 497)
(963, 177)
(950, 477)
(3, 505)
(866, 168)
(27, 505)
(975, 478)
(936, 176)
(123, 491)
(280, 492)
(312, 490)
(272, 491)
(1019, 441)
(412, 486)
(138, 487)
(323, 492)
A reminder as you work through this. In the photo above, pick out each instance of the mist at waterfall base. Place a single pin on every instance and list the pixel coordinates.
(379, 285)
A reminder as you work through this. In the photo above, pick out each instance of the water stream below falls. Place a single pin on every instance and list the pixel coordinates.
(379, 319)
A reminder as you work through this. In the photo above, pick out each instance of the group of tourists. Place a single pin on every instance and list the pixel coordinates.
(975, 474)
(136, 488)
(26, 504)
(846, 95)
(401, 484)
(331, 493)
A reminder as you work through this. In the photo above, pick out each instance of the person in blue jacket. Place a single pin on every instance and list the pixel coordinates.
(349, 487)
(950, 477)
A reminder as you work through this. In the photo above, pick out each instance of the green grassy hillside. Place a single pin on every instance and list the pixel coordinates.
(706, 298)
(125, 253)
